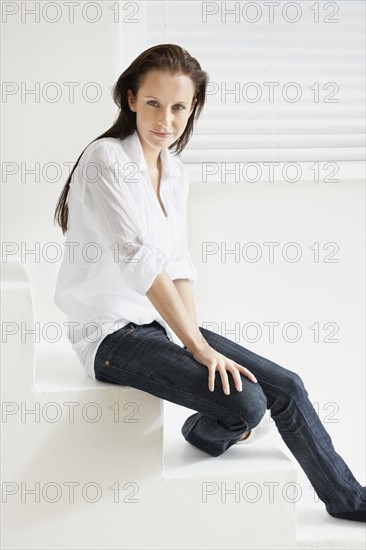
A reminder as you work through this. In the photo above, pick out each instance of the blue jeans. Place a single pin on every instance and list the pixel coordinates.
(143, 357)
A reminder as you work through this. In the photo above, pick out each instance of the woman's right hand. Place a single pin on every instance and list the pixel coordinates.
(216, 361)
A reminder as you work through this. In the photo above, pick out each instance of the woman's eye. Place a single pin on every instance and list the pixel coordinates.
(178, 107)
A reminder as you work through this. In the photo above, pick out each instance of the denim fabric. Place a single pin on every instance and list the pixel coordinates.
(143, 357)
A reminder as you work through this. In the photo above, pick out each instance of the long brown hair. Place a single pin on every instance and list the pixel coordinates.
(165, 57)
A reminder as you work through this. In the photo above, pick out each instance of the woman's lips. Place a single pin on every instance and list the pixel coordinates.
(161, 134)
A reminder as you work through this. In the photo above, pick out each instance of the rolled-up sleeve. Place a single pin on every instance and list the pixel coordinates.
(109, 206)
(182, 266)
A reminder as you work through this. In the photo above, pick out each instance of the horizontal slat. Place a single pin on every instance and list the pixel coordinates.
(298, 127)
(243, 111)
(217, 96)
(183, 8)
(225, 141)
(263, 175)
(273, 154)
(251, 43)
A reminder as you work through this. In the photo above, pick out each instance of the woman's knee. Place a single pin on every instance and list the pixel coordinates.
(250, 404)
(293, 384)
(290, 389)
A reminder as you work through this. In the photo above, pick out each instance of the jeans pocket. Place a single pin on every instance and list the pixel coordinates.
(110, 345)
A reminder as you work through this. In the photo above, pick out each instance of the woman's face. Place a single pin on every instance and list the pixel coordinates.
(163, 105)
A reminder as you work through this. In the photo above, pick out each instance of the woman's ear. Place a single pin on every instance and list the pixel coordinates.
(131, 100)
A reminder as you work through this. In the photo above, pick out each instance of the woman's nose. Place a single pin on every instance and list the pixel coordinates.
(165, 119)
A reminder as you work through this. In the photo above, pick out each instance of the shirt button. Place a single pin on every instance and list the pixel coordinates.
(142, 238)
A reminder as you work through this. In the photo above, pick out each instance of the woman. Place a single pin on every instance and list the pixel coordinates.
(126, 283)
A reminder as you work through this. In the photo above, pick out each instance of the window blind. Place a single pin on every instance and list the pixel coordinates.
(287, 80)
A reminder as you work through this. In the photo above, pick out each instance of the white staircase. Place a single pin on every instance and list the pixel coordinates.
(100, 466)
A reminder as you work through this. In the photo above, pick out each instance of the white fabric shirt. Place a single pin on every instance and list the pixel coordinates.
(118, 240)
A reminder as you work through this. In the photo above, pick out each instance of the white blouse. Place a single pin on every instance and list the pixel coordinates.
(118, 240)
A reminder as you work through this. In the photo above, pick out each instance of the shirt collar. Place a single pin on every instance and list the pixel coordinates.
(133, 148)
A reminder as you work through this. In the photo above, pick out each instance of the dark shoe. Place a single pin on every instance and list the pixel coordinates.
(358, 515)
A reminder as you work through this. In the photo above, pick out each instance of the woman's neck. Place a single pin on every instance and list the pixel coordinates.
(153, 161)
